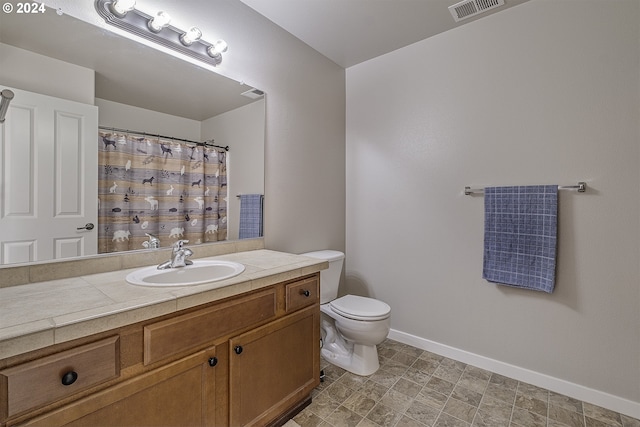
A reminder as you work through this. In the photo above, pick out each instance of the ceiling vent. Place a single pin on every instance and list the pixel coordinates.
(253, 93)
(468, 8)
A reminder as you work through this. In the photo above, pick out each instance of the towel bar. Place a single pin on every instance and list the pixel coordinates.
(239, 195)
(581, 188)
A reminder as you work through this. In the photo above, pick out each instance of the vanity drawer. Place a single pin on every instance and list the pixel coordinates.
(42, 381)
(302, 293)
(198, 329)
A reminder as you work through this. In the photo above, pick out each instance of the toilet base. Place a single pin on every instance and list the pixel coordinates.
(360, 360)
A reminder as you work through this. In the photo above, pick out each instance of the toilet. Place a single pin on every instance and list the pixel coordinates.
(351, 326)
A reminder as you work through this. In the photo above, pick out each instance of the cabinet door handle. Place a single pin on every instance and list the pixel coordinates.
(306, 293)
(69, 378)
(213, 361)
(238, 349)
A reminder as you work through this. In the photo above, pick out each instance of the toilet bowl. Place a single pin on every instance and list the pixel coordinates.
(351, 326)
(350, 334)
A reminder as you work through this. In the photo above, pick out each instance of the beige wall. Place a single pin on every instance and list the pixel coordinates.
(22, 69)
(122, 116)
(542, 93)
(242, 130)
(305, 125)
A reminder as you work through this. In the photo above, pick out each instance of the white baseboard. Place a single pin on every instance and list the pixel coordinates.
(595, 397)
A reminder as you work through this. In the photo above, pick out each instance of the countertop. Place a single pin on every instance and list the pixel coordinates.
(38, 315)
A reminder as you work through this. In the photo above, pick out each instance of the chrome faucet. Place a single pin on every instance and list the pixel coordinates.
(152, 243)
(179, 256)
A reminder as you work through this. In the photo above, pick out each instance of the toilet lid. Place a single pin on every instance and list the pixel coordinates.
(360, 308)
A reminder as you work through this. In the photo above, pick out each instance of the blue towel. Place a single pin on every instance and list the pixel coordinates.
(520, 235)
(250, 216)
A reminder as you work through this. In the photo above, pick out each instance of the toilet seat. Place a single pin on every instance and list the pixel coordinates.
(360, 308)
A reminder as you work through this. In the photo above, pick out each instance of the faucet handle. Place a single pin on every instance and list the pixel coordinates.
(153, 242)
(187, 253)
(179, 244)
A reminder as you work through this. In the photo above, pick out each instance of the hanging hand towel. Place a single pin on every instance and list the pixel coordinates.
(250, 216)
(520, 234)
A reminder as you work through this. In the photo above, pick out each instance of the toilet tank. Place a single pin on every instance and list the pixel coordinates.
(329, 278)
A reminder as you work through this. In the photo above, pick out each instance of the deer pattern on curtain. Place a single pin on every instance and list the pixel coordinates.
(169, 189)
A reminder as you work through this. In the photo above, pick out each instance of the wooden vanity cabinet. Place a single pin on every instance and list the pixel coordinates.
(247, 360)
(273, 367)
(177, 394)
(50, 378)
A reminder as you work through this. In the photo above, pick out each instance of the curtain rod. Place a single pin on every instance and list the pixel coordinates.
(203, 144)
(581, 188)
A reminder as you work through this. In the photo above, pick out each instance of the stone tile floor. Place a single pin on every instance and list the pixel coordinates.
(416, 388)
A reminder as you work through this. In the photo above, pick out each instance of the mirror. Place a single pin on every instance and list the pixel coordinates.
(137, 88)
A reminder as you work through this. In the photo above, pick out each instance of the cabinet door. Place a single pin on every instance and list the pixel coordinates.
(178, 394)
(273, 367)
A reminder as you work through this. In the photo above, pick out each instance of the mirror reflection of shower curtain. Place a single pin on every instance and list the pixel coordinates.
(169, 189)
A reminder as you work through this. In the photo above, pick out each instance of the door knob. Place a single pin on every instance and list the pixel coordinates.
(238, 349)
(87, 226)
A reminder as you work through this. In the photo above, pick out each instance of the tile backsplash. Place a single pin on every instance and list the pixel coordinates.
(52, 270)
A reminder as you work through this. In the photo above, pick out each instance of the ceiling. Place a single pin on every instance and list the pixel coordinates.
(346, 31)
(353, 31)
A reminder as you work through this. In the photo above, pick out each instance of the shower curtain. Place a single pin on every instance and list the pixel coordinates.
(168, 189)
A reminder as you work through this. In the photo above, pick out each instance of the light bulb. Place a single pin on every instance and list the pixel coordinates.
(161, 20)
(121, 7)
(191, 36)
(218, 47)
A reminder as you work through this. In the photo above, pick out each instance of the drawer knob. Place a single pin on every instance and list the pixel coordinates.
(238, 349)
(69, 378)
(213, 361)
(306, 293)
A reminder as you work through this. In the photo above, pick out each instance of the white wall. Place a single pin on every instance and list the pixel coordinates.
(122, 116)
(23, 69)
(547, 92)
(242, 130)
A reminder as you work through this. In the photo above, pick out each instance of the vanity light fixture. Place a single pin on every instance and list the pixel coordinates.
(124, 15)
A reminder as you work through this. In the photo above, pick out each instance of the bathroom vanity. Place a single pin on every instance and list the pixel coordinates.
(239, 352)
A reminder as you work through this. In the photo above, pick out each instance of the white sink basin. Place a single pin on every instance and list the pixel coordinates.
(201, 271)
